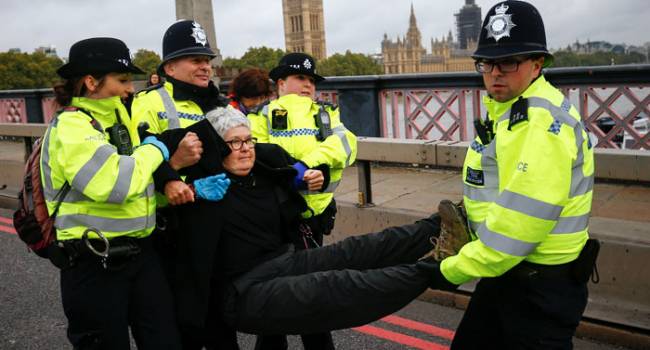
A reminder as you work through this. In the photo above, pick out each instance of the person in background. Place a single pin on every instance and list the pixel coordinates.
(154, 79)
(250, 89)
(98, 178)
(528, 180)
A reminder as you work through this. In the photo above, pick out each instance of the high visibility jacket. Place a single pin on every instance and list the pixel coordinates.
(528, 192)
(109, 192)
(157, 107)
(299, 139)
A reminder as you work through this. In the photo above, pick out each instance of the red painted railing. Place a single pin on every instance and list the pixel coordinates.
(619, 116)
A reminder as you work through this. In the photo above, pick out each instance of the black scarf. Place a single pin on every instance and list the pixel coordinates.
(207, 98)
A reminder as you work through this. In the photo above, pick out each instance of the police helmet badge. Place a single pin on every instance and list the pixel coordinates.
(199, 34)
(500, 24)
(307, 63)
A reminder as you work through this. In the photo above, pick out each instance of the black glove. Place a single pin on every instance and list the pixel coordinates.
(438, 280)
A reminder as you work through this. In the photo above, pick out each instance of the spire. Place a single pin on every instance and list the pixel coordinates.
(412, 22)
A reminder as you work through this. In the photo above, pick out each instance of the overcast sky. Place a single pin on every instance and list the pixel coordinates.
(357, 25)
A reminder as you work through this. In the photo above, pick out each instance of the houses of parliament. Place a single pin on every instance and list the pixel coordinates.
(408, 54)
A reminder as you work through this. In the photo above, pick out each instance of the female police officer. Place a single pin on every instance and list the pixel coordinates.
(111, 279)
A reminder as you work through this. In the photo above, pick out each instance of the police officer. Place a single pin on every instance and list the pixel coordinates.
(101, 186)
(312, 132)
(528, 180)
(182, 100)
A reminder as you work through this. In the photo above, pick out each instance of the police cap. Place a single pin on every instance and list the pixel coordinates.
(512, 28)
(295, 63)
(98, 56)
(185, 38)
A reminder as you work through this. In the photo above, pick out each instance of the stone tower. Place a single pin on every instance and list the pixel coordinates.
(201, 11)
(304, 27)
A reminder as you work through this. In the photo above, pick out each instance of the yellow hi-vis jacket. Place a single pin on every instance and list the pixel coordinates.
(109, 192)
(528, 192)
(157, 107)
(299, 139)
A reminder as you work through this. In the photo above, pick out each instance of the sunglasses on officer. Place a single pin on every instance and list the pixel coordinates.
(506, 65)
(237, 144)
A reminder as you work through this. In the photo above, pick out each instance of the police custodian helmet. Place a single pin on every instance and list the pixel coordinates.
(512, 28)
(98, 56)
(295, 63)
(185, 38)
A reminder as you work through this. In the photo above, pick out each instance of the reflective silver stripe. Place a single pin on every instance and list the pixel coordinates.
(104, 224)
(474, 225)
(340, 132)
(48, 187)
(529, 206)
(330, 189)
(480, 194)
(75, 196)
(580, 184)
(172, 115)
(265, 113)
(88, 170)
(149, 192)
(571, 224)
(126, 165)
(559, 113)
(505, 244)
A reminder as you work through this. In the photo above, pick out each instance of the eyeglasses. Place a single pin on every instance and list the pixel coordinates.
(237, 144)
(508, 65)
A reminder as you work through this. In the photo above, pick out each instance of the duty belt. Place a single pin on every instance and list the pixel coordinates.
(113, 254)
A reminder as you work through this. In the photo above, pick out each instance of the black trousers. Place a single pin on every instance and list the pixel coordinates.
(350, 283)
(522, 310)
(320, 225)
(102, 304)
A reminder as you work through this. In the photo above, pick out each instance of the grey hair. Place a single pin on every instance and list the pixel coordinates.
(224, 119)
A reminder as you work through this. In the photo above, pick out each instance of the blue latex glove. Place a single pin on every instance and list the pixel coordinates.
(212, 188)
(298, 182)
(152, 140)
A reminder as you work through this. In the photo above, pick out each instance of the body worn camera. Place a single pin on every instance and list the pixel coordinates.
(279, 119)
(324, 124)
(119, 137)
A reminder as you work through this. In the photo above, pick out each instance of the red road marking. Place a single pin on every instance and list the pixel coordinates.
(7, 229)
(6, 221)
(418, 326)
(400, 338)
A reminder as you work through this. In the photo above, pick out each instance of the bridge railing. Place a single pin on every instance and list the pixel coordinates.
(614, 102)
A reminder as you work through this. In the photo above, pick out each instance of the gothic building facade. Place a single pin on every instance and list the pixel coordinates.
(408, 54)
(304, 27)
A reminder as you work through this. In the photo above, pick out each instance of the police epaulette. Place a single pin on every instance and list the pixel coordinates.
(260, 106)
(334, 106)
(150, 88)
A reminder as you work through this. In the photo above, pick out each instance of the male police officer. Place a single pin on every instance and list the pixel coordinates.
(182, 100)
(185, 96)
(311, 132)
(528, 180)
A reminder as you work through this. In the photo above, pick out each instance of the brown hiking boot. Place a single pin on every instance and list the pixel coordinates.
(454, 233)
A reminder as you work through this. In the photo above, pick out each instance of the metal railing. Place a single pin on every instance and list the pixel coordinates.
(614, 102)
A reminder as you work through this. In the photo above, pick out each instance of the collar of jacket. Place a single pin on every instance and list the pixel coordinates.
(206, 97)
(103, 110)
(298, 105)
(495, 109)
